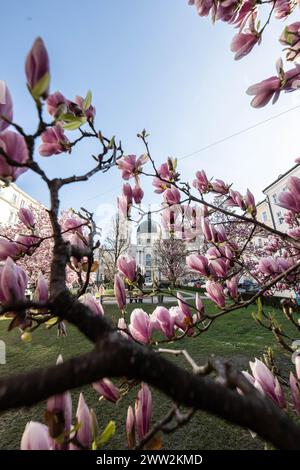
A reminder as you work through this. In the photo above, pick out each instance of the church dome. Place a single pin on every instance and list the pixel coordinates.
(147, 227)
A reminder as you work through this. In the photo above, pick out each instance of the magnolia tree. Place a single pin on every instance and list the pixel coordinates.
(171, 254)
(251, 18)
(31, 243)
(135, 347)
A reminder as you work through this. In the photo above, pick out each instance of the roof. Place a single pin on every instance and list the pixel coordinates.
(147, 227)
(264, 201)
(280, 177)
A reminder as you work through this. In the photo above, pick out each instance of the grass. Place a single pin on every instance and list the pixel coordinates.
(234, 336)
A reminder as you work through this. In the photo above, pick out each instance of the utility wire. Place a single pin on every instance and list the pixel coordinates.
(242, 131)
(217, 142)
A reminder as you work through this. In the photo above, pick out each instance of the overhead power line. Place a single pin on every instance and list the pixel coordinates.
(216, 142)
(242, 131)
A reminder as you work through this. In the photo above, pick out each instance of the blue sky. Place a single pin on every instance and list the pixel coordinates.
(153, 65)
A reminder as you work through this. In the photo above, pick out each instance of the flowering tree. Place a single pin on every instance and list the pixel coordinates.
(171, 254)
(250, 18)
(132, 347)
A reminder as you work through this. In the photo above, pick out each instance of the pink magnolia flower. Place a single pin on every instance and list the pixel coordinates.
(166, 174)
(291, 199)
(268, 266)
(76, 240)
(143, 410)
(182, 304)
(123, 326)
(26, 243)
(236, 200)
(60, 406)
(213, 252)
(215, 292)
(54, 141)
(6, 109)
(199, 306)
(198, 263)
(37, 65)
(13, 282)
(203, 6)
(140, 325)
(15, 147)
(107, 389)
(123, 207)
(243, 43)
(283, 8)
(57, 104)
(218, 267)
(297, 365)
(36, 437)
(137, 194)
(295, 392)
(26, 216)
(90, 113)
(160, 186)
(85, 432)
(7, 249)
(294, 186)
(130, 428)
(201, 182)
(220, 187)
(267, 383)
(73, 225)
(120, 293)
(271, 87)
(293, 232)
(208, 230)
(89, 301)
(181, 321)
(244, 12)
(41, 291)
(220, 234)
(226, 11)
(127, 266)
(131, 166)
(172, 196)
(290, 38)
(250, 203)
(232, 286)
(127, 192)
(163, 321)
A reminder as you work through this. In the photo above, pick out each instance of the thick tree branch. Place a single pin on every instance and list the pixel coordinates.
(118, 357)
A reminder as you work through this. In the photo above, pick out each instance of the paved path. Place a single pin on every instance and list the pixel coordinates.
(167, 299)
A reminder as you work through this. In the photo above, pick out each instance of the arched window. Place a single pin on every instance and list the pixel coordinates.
(148, 260)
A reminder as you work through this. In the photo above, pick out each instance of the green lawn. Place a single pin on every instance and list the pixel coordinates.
(235, 336)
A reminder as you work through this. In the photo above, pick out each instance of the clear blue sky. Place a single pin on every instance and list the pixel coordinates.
(152, 64)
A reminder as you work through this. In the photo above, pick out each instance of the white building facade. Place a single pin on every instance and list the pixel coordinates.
(272, 192)
(143, 250)
(12, 198)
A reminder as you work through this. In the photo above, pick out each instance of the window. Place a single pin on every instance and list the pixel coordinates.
(11, 217)
(280, 218)
(148, 260)
(148, 241)
(274, 198)
(264, 216)
(22, 203)
(14, 198)
(260, 242)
